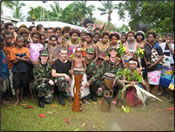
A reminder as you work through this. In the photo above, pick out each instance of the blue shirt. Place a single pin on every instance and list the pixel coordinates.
(4, 72)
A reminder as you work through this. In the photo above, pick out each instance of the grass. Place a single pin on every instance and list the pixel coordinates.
(21, 119)
(153, 117)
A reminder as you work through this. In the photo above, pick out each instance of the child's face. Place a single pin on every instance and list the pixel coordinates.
(130, 37)
(83, 36)
(139, 37)
(114, 40)
(105, 39)
(150, 38)
(20, 42)
(35, 38)
(74, 36)
(96, 38)
(53, 41)
(66, 34)
(132, 66)
(123, 39)
(25, 36)
(88, 38)
(78, 53)
(57, 33)
(8, 39)
(169, 40)
(43, 38)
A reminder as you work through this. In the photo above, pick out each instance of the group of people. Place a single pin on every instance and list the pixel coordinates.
(42, 62)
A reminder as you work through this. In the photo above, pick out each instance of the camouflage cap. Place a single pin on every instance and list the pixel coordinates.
(90, 50)
(113, 48)
(44, 53)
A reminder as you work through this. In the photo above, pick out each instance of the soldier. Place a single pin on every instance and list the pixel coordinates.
(92, 68)
(112, 65)
(43, 80)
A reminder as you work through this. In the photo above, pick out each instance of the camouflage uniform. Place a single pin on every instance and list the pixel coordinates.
(62, 85)
(92, 68)
(42, 75)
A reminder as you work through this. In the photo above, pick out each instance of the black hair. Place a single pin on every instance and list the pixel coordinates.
(87, 20)
(30, 28)
(7, 33)
(53, 36)
(8, 24)
(114, 34)
(137, 34)
(57, 28)
(97, 34)
(105, 34)
(39, 27)
(97, 29)
(19, 37)
(153, 33)
(50, 28)
(89, 34)
(37, 33)
(169, 35)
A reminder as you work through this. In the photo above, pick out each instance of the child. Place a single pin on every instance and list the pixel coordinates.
(35, 47)
(132, 77)
(78, 63)
(7, 49)
(114, 37)
(102, 48)
(74, 41)
(4, 73)
(88, 44)
(53, 49)
(20, 57)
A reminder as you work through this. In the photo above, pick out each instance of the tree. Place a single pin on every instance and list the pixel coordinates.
(7, 3)
(75, 12)
(39, 13)
(108, 8)
(56, 11)
(159, 15)
(17, 6)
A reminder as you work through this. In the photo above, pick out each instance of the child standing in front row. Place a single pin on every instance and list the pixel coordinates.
(20, 57)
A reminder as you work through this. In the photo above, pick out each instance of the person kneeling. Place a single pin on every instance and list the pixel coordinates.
(43, 80)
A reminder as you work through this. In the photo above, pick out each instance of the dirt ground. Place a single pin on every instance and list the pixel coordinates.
(153, 117)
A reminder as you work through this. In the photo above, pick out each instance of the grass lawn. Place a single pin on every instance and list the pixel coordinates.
(154, 117)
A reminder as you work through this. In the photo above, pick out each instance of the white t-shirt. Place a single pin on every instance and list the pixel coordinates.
(163, 49)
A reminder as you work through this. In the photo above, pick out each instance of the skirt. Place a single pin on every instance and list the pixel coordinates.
(171, 86)
(84, 90)
(166, 76)
(154, 77)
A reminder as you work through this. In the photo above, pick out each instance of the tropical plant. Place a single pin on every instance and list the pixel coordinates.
(56, 11)
(17, 13)
(108, 8)
(158, 15)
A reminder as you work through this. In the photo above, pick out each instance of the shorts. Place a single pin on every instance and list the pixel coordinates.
(4, 85)
(20, 80)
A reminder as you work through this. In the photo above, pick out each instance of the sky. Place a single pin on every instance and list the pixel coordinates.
(115, 17)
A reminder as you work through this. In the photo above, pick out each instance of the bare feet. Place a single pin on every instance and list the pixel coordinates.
(17, 102)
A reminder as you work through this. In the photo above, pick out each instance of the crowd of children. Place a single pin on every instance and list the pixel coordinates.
(21, 50)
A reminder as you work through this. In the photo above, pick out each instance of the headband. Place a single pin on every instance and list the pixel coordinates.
(140, 32)
(132, 61)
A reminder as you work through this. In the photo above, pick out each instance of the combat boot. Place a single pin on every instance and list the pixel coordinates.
(41, 102)
(93, 97)
(60, 98)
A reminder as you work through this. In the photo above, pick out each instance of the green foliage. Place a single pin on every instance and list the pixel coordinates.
(108, 8)
(140, 52)
(121, 49)
(158, 14)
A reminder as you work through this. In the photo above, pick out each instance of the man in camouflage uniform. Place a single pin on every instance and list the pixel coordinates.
(43, 80)
(92, 68)
(111, 65)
